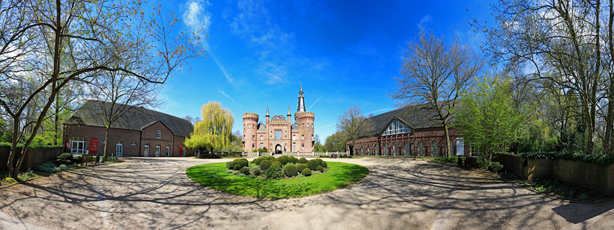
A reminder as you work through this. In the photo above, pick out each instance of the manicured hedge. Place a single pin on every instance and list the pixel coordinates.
(597, 158)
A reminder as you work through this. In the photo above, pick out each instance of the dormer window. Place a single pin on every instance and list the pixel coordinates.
(396, 127)
(159, 134)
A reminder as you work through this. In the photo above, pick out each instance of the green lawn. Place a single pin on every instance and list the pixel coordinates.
(339, 175)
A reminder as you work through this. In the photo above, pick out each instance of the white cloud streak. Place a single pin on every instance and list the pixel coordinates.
(325, 126)
(314, 103)
(226, 95)
(381, 110)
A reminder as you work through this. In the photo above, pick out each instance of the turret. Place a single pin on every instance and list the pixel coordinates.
(250, 126)
(301, 101)
(267, 115)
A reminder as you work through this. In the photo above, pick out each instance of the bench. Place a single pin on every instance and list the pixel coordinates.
(86, 159)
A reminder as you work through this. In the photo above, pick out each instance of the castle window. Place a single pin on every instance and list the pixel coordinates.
(253, 137)
(302, 137)
(249, 126)
(293, 137)
(293, 146)
(302, 146)
(253, 147)
(277, 134)
(261, 145)
(307, 125)
(159, 134)
(261, 137)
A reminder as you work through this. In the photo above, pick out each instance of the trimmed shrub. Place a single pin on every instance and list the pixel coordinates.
(256, 172)
(306, 172)
(276, 163)
(312, 164)
(292, 160)
(65, 158)
(264, 165)
(230, 164)
(319, 161)
(236, 167)
(271, 158)
(258, 160)
(244, 171)
(283, 160)
(274, 172)
(495, 166)
(324, 164)
(300, 167)
(243, 162)
(302, 160)
(290, 170)
(320, 168)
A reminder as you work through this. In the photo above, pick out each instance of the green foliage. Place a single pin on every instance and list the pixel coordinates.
(306, 172)
(290, 170)
(50, 167)
(257, 172)
(302, 160)
(495, 166)
(312, 164)
(300, 167)
(283, 160)
(258, 160)
(336, 142)
(323, 164)
(270, 158)
(339, 175)
(264, 165)
(276, 163)
(237, 166)
(244, 171)
(319, 160)
(292, 160)
(230, 164)
(214, 131)
(452, 160)
(65, 158)
(597, 158)
(261, 150)
(274, 172)
(320, 168)
(487, 117)
(242, 162)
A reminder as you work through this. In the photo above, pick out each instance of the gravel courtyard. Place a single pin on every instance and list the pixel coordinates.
(155, 193)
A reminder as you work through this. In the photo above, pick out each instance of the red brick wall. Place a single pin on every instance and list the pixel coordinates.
(149, 137)
(127, 137)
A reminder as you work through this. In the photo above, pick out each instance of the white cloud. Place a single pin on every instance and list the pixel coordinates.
(226, 95)
(274, 73)
(314, 103)
(424, 20)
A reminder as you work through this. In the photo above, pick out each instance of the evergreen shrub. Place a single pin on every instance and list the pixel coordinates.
(302, 160)
(313, 164)
(236, 167)
(290, 170)
(65, 158)
(243, 162)
(283, 160)
(274, 172)
(292, 160)
(306, 172)
(258, 160)
(300, 167)
(320, 168)
(264, 165)
(257, 172)
(244, 171)
(324, 164)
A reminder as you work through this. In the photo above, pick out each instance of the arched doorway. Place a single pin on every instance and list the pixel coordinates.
(278, 149)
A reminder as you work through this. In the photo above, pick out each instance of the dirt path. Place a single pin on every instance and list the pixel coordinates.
(155, 193)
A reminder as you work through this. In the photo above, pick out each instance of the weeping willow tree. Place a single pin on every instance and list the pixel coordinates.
(214, 131)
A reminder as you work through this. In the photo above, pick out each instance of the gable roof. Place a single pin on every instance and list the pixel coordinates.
(415, 116)
(136, 118)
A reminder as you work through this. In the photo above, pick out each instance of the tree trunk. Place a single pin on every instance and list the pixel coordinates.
(10, 163)
(447, 133)
(56, 121)
(106, 141)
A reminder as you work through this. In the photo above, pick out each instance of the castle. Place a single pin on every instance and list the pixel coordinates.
(279, 134)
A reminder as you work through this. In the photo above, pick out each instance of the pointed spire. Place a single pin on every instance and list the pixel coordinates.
(267, 110)
(301, 87)
(289, 113)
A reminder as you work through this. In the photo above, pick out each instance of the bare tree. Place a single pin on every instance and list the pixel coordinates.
(353, 124)
(433, 75)
(45, 45)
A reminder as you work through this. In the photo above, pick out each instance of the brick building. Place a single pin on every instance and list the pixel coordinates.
(279, 134)
(407, 132)
(139, 132)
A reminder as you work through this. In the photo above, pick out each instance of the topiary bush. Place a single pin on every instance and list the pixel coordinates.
(230, 164)
(243, 162)
(292, 160)
(324, 164)
(244, 171)
(320, 168)
(264, 165)
(256, 172)
(258, 160)
(319, 161)
(271, 158)
(276, 163)
(302, 160)
(65, 158)
(312, 164)
(306, 172)
(274, 172)
(236, 167)
(300, 167)
(283, 160)
(290, 170)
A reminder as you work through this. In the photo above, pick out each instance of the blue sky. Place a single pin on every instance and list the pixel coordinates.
(343, 52)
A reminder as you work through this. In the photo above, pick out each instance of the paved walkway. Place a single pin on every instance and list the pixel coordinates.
(155, 193)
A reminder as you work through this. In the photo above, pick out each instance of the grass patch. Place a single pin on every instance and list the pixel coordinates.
(339, 175)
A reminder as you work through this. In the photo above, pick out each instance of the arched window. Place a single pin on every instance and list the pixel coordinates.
(168, 150)
(119, 149)
(302, 146)
(157, 150)
(146, 150)
(159, 134)
(253, 147)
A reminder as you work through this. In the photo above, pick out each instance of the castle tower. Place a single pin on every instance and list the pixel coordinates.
(250, 126)
(305, 121)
